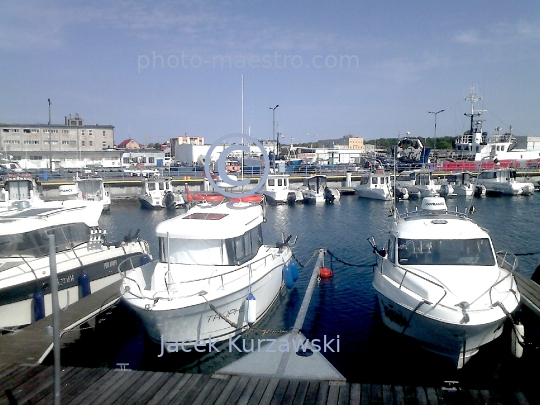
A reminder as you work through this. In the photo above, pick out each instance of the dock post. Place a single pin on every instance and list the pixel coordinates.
(56, 318)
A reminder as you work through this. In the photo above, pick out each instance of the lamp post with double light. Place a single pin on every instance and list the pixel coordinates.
(435, 113)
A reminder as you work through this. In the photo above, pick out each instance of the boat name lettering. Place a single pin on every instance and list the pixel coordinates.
(68, 279)
(112, 263)
(226, 314)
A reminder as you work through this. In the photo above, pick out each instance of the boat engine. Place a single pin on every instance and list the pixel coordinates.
(168, 200)
(329, 195)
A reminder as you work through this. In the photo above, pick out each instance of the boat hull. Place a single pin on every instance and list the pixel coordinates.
(374, 194)
(17, 301)
(457, 342)
(200, 321)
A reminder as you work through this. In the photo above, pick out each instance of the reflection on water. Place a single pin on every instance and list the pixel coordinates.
(343, 306)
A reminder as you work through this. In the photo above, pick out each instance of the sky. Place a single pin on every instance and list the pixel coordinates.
(371, 69)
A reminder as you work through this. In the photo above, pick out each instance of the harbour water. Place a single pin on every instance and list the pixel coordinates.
(343, 307)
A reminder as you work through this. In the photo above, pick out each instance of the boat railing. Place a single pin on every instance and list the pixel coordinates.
(409, 272)
(507, 261)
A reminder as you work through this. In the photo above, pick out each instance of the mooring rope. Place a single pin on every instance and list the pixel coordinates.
(350, 264)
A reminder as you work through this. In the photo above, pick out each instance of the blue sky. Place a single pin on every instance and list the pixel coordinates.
(154, 70)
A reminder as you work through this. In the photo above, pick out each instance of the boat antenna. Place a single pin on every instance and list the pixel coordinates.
(395, 189)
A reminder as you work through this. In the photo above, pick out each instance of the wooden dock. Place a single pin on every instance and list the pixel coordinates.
(32, 343)
(79, 386)
(530, 292)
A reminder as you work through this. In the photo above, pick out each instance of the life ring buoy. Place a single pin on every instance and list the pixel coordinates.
(249, 198)
(207, 197)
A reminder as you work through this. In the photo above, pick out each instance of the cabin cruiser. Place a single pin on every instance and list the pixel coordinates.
(315, 190)
(19, 189)
(503, 181)
(440, 281)
(85, 261)
(92, 188)
(277, 190)
(418, 182)
(158, 193)
(459, 184)
(375, 185)
(214, 276)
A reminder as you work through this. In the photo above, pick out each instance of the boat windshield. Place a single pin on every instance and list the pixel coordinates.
(461, 252)
(90, 187)
(36, 243)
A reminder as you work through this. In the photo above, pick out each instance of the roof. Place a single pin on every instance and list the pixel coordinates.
(124, 143)
(205, 221)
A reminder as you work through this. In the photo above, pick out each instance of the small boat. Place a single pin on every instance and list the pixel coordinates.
(92, 188)
(85, 261)
(214, 277)
(503, 181)
(315, 190)
(458, 184)
(277, 190)
(158, 193)
(375, 185)
(419, 183)
(440, 281)
(19, 190)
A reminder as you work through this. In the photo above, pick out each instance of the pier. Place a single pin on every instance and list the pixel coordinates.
(34, 384)
(286, 380)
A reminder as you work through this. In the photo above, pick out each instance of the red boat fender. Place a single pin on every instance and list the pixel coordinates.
(325, 272)
(249, 198)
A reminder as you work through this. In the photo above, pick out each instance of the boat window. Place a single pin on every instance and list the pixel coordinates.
(193, 251)
(151, 186)
(161, 186)
(89, 187)
(280, 182)
(36, 243)
(374, 180)
(462, 252)
(391, 250)
(271, 182)
(216, 252)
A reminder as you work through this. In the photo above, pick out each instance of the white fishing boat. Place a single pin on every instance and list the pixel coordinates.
(375, 185)
(85, 261)
(503, 182)
(92, 188)
(315, 190)
(19, 189)
(440, 281)
(158, 193)
(458, 184)
(418, 182)
(278, 190)
(214, 276)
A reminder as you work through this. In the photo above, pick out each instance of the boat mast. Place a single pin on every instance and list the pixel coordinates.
(473, 98)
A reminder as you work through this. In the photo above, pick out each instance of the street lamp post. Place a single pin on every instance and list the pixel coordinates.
(435, 113)
(274, 129)
(50, 138)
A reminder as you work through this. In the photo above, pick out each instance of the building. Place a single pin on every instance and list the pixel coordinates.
(129, 144)
(40, 145)
(185, 140)
(346, 142)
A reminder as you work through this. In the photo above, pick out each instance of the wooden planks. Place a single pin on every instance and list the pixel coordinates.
(34, 384)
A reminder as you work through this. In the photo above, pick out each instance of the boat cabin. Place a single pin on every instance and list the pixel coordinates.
(316, 183)
(498, 175)
(275, 182)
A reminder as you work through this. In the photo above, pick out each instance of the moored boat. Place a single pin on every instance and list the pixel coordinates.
(86, 262)
(374, 185)
(315, 190)
(503, 181)
(277, 190)
(440, 281)
(158, 193)
(214, 277)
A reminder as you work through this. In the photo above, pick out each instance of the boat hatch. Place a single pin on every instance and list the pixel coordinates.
(205, 216)
(439, 221)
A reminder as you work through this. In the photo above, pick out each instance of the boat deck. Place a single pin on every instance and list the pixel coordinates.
(34, 384)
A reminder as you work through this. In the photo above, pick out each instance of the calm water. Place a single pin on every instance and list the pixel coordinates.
(344, 305)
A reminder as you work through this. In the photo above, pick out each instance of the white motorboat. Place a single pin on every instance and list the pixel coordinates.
(374, 185)
(503, 181)
(92, 188)
(277, 190)
(19, 189)
(419, 183)
(315, 190)
(158, 193)
(458, 184)
(212, 263)
(440, 281)
(85, 261)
